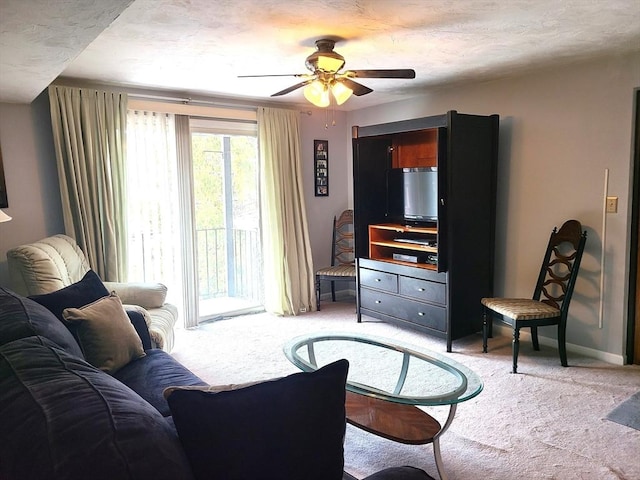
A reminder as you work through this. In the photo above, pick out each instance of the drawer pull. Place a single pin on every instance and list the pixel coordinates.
(378, 279)
(421, 289)
(378, 301)
(421, 314)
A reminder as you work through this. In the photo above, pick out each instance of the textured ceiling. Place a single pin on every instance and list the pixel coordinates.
(199, 47)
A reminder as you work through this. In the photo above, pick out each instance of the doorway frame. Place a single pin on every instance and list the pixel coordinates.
(633, 320)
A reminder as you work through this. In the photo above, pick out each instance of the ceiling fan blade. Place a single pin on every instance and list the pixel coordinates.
(277, 75)
(391, 73)
(293, 87)
(358, 89)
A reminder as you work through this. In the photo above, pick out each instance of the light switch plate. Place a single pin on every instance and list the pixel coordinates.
(612, 204)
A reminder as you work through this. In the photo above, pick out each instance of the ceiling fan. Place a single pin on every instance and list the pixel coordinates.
(325, 77)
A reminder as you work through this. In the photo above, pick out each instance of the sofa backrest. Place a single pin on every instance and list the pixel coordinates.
(46, 265)
(22, 317)
(64, 419)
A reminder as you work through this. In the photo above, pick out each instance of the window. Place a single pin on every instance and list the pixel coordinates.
(227, 217)
(226, 228)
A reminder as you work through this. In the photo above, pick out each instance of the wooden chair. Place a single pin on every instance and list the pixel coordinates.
(342, 255)
(551, 297)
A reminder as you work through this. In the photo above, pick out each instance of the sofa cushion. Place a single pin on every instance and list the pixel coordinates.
(290, 428)
(64, 419)
(150, 375)
(108, 339)
(20, 318)
(89, 289)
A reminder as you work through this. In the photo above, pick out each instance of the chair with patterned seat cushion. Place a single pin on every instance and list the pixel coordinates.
(342, 256)
(551, 297)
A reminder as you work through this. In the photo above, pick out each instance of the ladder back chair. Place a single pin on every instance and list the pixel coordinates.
(342, 256)
(551, 297)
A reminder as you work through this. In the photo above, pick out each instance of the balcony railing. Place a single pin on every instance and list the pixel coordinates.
(229, 264)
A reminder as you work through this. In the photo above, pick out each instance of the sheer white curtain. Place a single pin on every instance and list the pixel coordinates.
(153, 202)
(288, 267)
(89, 128)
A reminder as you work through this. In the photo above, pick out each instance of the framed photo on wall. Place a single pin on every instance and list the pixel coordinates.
(321, 167)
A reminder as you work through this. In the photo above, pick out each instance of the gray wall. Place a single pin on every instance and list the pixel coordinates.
(320, 210)
(31, 176)
(560, 129)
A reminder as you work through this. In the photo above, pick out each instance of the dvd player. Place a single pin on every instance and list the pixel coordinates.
(424, 243)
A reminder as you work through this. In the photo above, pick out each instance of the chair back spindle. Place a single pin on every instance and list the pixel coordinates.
(560, 267)
(342, 249)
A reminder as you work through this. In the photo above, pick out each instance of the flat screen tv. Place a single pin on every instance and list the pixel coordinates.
(412, 194)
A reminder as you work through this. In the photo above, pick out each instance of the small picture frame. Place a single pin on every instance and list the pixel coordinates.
(321, 167)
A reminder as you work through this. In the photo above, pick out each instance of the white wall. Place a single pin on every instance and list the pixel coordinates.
(560, 129)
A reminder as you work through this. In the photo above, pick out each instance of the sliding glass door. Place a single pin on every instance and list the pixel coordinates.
(227, 218)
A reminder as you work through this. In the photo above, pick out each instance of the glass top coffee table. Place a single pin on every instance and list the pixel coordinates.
(387, 381)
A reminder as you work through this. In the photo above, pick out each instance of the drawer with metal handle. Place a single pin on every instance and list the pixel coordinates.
(431, 316)
(379, 280)
(423, 290)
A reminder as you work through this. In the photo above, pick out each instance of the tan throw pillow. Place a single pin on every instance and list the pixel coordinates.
(107, 338)
(213, 388)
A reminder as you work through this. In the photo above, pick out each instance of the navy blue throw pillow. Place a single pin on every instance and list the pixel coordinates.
(140, 324)
(289, 429)
(76, 295)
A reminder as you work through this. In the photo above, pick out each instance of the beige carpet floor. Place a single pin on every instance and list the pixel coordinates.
(547, 422)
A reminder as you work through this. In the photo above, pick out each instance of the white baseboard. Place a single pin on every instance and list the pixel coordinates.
(506, 330)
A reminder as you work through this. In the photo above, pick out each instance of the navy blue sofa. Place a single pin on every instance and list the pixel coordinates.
(62, 418)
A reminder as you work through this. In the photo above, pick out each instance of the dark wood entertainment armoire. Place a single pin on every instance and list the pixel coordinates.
(427, 275)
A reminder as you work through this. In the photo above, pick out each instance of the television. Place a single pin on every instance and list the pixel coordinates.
(412, 194)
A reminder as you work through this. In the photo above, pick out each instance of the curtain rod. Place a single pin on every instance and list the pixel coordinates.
(191, 101)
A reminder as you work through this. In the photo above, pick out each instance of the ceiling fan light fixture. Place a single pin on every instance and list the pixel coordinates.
(330, 63)
(324, 58)
(317, 93)
(325, 65)
(341, 92)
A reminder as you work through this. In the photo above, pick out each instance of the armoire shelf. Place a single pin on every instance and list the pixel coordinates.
(388, 239)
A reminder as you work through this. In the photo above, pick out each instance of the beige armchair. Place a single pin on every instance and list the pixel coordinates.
(56, 262)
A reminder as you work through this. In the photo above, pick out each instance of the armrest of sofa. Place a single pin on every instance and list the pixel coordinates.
(138, 317)
(147, 295)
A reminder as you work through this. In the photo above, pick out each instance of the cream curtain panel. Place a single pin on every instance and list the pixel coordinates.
(188, 260)
(288, 267)
(89, 134)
